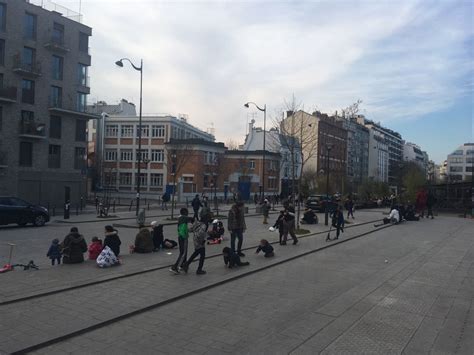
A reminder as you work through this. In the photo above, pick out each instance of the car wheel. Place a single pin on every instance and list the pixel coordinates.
(39, 220)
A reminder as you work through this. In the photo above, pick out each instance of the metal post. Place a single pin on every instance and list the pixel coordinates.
(326, 215)
(140, 138)
(264, 148)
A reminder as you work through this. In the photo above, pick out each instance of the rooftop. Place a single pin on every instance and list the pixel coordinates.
(62, 10)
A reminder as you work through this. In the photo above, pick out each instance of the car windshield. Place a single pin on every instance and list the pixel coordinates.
(17, 202)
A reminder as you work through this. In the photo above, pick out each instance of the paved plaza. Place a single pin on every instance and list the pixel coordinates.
(403, 289)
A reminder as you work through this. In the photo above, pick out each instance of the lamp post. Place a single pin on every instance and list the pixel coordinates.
(139, 155)
(264, 110)
(326, 214)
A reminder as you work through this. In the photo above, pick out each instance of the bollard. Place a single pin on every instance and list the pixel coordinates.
(113, 207)
(148, 206)
(77, 210)
(82, 202)
(54, 210)
(131, 204)
(67, 206)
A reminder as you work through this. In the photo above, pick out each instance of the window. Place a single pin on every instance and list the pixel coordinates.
(29, 57)
(83, 42)
(26, 154)
(126, 131)
(29, 26)
(55, 127)
(143, 179)
(81, 134)
(126, 155)
(79, 158)
(205, 181)
(469, 160)
(81, 102)
(111, 130)
(455, 169)
(469, 169)
(82, 75)
(57, 68)
(470, 152)
(54, 156)
(3, 16)
(458, 152)
(157, 155)
(210, 158)
(56, 96)
(58, 34)
(158, 131)
(145, 131)
(2, 52)
(156, 179)
(456, 159)
(125, 179)
(252, 164)
(110, 155)
(28, 91)
(144, 155)
(271, 182)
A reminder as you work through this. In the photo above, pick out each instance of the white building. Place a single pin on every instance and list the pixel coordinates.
(461, 162)
(413, 153)
(378, 156)
(275, 142)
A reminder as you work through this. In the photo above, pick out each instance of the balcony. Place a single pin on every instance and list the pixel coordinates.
(32, 129)
(56, 44)
(8, 94)
(62, 108)
(26, 69)
(84, 85)
(3, 160)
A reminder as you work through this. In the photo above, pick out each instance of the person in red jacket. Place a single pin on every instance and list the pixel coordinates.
(95, 248)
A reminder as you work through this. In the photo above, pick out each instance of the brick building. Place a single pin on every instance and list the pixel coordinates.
(44, 60)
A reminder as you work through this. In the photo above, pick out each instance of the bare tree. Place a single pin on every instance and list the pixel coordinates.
(216, 169)
(232, 144)
(352, 110)
(299, 137)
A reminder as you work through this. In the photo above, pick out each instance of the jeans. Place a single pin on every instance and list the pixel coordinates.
(202, 255)
(183, 252)
(236, 233)
(58, 259)
(196, 214)
(350, 212)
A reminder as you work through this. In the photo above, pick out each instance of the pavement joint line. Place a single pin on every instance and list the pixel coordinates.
(184, 295)
(152, 269)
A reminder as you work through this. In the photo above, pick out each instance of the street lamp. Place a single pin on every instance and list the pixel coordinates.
(264, 110)
(326, 214)
(139, 156)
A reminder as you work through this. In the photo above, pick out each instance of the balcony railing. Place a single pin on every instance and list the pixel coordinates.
(8, 94)
(56, 44)
(3, 160)
(28, 69)
(32, 129)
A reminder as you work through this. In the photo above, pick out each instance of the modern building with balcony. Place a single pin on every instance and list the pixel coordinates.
(44, 61)
(460, 163)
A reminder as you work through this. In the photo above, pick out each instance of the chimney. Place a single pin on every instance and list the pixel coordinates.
(252, 121)
(289, 113)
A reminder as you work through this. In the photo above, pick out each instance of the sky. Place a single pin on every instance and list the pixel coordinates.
(410, 62)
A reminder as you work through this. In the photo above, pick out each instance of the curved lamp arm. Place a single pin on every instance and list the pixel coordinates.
(258, 108)
(120, 64)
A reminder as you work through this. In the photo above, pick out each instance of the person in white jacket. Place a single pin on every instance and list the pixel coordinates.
(393, 217)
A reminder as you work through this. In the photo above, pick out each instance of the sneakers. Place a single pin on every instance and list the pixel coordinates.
(185, 268)
(295, 241)
(241, 254)
(174, 270)
(201, 272)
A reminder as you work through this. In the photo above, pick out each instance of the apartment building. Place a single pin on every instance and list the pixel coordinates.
(413, 153)
(378, 156)
(460, 163)
(120, 151)
(44, 83)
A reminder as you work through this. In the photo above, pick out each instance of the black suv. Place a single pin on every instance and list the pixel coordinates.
(15, 210)
(318, 203)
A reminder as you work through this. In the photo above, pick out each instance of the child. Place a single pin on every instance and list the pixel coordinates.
(183, 235)
(95, 248)
(200, 232)
(54, 252)
(266, 247)
(217, 233)
(280, 224)
(231, 258)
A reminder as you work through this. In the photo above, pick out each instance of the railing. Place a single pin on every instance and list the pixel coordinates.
(52, 6)
(8, 92)
(57, 43)
(31, 68)
(31, 128)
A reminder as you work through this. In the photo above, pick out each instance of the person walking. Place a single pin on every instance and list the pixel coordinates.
(350, 207)
(266, 211)
(183, 234)
(196, 204)
(338, 221)
(199, 230)
(236, 226)
(430, 201)
(290, 220)
(164, 201)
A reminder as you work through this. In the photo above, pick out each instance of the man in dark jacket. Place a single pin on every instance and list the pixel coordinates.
(157, 236)
(112, 240)
(143, 241)
(73, 247)
(231, 258)
(236, 226)
(196, 203)
(430, 201)
(338, 221)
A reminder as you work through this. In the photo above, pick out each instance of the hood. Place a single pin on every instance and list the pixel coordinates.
(109, 234)
(75, 238)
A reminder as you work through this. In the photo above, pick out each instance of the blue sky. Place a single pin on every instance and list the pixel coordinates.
(410, 62)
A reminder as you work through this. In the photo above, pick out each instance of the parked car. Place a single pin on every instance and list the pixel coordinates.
(318, 203)
(14, 210)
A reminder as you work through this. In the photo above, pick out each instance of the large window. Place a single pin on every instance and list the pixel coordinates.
(127, 131)
(82, 74)
(58, 34)
(3, 16)
(125, 179)
(26, 154)
(144, 155)
(83, 42)
(81, 102)
(79, 158)
(143, 179)
(145, 131)
(210, 158)
(57, 67)
(126, 155)
(111, 130)
(29, 26)
(456, 159)
(81, 134)
(56, 96)
(157, 155)
(28, 91)
(156, 179)
(29, 57)
(2, 52)
(110, 155)
(455, 169)
(157, 131)
(54, 156)
(55, 126)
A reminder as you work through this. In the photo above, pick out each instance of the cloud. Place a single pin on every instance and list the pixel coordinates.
(404, 59)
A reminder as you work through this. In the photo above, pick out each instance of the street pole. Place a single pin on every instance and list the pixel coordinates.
(326, 215)
(262, 198)
(140, 139)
